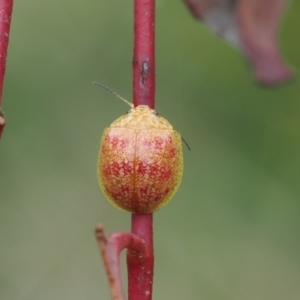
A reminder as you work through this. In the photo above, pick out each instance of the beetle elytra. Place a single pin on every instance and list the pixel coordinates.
(140, 162)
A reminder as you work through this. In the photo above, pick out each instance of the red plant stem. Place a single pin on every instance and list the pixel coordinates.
(110, 248)
(144, 53)
(140, 273)
(2, 122)
(5, 18)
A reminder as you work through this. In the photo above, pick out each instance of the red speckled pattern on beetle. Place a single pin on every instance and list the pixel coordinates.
(140, 161)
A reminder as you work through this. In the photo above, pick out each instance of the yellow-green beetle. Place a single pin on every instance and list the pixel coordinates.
(140, 161)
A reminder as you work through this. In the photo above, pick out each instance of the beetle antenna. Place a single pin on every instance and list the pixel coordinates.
(186, 143)
(113, 92)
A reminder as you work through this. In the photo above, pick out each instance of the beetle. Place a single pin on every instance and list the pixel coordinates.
(140, 161)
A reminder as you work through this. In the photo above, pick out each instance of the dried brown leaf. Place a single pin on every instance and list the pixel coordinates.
(252, 27)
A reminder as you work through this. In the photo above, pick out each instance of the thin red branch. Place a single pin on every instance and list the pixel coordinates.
(140, 276)
(5, 18)
(144, 53)
(110, 249)
(140, 273)
(2, 122)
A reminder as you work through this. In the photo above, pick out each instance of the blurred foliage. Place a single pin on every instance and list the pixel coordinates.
(232, 230)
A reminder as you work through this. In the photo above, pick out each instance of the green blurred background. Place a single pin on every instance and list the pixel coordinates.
(232, 230)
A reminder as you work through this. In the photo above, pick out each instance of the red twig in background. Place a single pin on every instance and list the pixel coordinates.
(2, 122)
(139, 243)
(5, 18)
